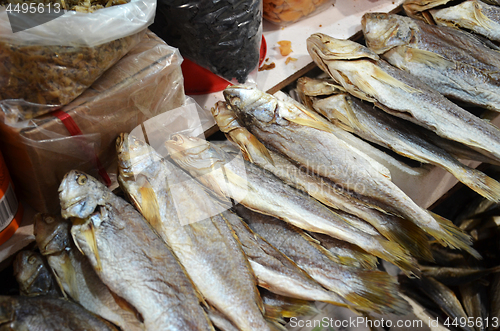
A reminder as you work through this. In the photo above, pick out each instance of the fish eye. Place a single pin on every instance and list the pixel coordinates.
(82, 179)
(32, 259)
(49, 219)
(177, 139)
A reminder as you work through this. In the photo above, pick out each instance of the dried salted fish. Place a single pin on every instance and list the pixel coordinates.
(298, 133)
(47, 314)
(452, 62)
(393, 228)
(204, 244)
(473, 15)
(369, 289)
(456, 275)
(76, 276)
(261, 191)
(381, 128)
(401, 94)
(446, 300)
(275, 271)
(33, 275)
(117, 239)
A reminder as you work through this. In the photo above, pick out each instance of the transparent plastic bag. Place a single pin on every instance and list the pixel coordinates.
(146, 82)
(286, 12)
(223, 36)
(49, 65)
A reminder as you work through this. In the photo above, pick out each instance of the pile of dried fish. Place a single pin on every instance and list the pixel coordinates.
(462, 293)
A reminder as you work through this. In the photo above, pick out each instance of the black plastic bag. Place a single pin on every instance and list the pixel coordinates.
(223, 36)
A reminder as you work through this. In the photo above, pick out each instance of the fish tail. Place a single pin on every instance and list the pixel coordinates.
(293, 307)
(366, 260)
(409, 236)
(392, 252)
(451, 236)
(481, 183)
(377, 291)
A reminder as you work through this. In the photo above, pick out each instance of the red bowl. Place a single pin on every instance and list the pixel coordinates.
(198, 80)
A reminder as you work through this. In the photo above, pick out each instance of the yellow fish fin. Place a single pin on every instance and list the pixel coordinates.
(89, 234)
(70, 277)
(452, 236)
(87, 230)
(247, 141)
(149, 207)
(428, 58)
(481, 19)
(310, 123)
(387, 79)
(59, 283)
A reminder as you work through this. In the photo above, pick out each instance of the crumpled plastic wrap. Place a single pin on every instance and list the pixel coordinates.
(49, 65)
(146, 82)
(286, 12)
(223, 36)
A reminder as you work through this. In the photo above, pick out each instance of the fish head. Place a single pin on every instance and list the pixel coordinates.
(51, 234)
(384, 31)
(193, 154)
(251, 105)
(335, 108)
(324, 48)
(80, 194)
(225, 117)
(134, 155)
(28, 266)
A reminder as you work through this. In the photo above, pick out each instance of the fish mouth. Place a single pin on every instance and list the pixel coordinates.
(75, 208)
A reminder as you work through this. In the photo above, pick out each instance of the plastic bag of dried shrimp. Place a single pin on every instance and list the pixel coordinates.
(44, 67)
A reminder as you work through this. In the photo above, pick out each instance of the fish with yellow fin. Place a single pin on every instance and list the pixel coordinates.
(261, 191)
(129, 256)
(452, 62)
(190, 222)
(369, 289)
(403, 232)
(77, 277)
(321, 153)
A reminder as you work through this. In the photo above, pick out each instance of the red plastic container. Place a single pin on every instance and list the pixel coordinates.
(11, 211)
(198, 80)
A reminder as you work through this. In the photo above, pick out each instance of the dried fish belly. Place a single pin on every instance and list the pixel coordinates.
(295, 132)
(121, 246)
(261, 191)
(378, 127)
(452, 62)
(393, 228)
(204, 245)
(76, 275)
